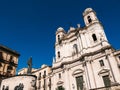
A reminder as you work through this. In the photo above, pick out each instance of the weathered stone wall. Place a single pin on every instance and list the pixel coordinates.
(23, 82)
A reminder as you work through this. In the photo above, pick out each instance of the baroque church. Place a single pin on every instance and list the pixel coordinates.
(84, 60)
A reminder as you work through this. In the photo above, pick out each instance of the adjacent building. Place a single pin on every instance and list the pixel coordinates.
(8, 62)
(23, 71)
(43, 74)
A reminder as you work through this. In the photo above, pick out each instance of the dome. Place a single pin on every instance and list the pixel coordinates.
(88, 9)
(60, 29)
(44, 65)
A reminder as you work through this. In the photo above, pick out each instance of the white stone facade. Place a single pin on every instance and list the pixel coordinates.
(19, 83)
(84, 59)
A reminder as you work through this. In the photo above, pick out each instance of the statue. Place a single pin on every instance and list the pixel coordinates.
(29, 70)
(19, 87)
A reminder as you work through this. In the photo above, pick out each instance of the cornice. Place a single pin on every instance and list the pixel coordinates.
(4, 48)
(82, 57)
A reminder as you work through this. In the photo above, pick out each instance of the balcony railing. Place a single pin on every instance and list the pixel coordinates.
(5, 74)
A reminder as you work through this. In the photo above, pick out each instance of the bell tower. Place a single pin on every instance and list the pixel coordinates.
(60, 33)
(94, 30)
(90, 16)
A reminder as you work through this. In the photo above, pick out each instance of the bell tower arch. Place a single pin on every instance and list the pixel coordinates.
(89, 16)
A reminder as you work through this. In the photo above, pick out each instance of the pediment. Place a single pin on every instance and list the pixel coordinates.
(78, 71)
(60, 82)
(103, 71)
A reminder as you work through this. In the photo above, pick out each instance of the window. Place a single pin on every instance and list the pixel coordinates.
(50, 84)
(106, 81)
(0, 65)
(119, 57)
(44, 74)
(3, 88)
(59, 41)
(1, 55)
(39, 86)
(101, 63)
(59, 75)
(58, 37)
(79, 81)
(11, 59)
(58, 54)
(60, 88)
(75, 48)
(39, 77)
(9, 69)
(89, 19)
(44, 86)
(94, 37)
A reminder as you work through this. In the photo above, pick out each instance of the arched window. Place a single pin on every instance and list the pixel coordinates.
(75, 47)
(89, 19)
(58, 54)
(39, 77)
(59, 75)
(94, 37)
(44, 74)
(59, 41)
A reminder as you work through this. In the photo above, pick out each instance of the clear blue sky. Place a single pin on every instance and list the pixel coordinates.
(28, 26)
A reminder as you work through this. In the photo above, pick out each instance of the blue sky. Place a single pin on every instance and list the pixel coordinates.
(29, 26)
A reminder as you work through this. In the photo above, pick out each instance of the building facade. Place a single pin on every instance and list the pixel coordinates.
(43, 75)
(84, 59)
(23, 71)
(8, 62)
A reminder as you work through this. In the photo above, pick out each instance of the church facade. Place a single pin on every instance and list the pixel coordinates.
(84, 59)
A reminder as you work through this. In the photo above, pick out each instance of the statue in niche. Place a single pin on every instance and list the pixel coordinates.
(19, 87)
(29, 66)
